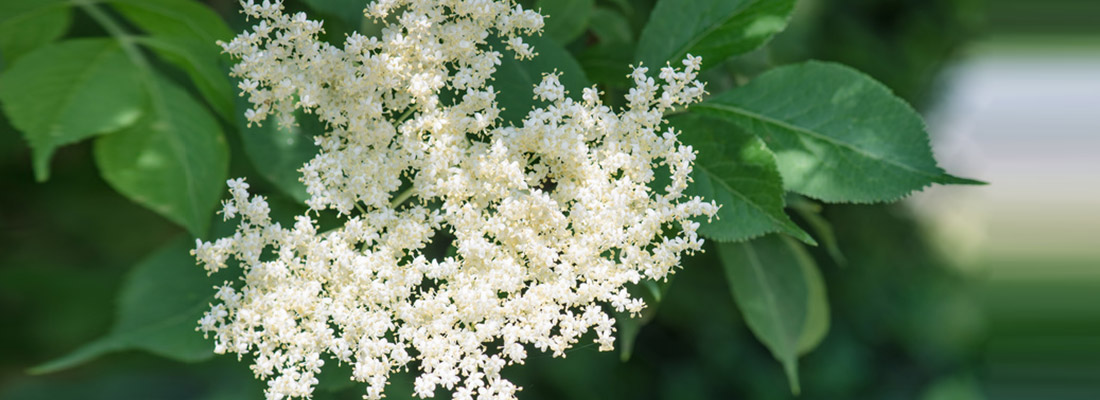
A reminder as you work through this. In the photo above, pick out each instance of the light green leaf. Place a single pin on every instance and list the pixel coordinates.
(738, 172)
(565, 19)
(180, 18)
(712, 29)
(838, 135)
(278, 152)
(158, 307)
(516, 78)
(629, 327)
(28, 24)
(173, 161)
(68, 91)
(202, 64)
(780, 294)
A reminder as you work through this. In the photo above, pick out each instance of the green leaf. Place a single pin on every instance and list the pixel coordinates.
(780, 293)
(608, 60)
(173, 161)
(158, 307)
(68, 91)
(350, 12)
(712, 29)
(28, 24)
(610, 27)
(822, 229)
(180, 18)
(629, 327)
(738, 172)
(516, 78)
(202, 63)
(278, 152)
(565, 19)
(838, 135)
(816, 326)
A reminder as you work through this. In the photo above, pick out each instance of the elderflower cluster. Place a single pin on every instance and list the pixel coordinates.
(551, 218)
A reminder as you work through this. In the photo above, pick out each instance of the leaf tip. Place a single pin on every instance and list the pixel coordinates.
(948, 179)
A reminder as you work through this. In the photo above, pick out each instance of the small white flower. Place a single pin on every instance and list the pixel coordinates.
(551, 218)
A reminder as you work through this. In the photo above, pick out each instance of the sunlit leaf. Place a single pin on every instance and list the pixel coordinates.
(838, 135)
(738, 172)
(202, 64)
(69, 91)
(173, 161)
(712, 29)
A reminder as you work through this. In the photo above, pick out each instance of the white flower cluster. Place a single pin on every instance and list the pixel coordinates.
(551, 219)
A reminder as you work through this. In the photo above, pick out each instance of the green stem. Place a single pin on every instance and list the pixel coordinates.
(125, 39)
(129, 46)
(401, 197)
(404, 115)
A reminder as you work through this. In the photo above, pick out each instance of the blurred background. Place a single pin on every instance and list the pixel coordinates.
(988, 292)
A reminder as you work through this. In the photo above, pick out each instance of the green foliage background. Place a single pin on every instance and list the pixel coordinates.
(85, 254)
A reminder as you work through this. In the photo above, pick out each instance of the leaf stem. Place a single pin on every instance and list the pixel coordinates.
(402, 197)
(404, 115)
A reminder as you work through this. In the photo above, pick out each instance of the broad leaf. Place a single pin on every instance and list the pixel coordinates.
(68, 91)
(738, 172)
(28, 24)
(515, 79)
(712, 29)
(565, 19)
(173, 161)
(780, 294)
(838, 135)
(159, 305)
(202, 64)
(279, 152)
(180, 18)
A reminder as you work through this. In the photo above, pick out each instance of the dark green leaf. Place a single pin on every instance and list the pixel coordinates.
(279, 152)
(610, 27)
(838, 135)
(607, 62)
(780, 293)
(738, 172)
(28, 24)
(565, 19)
(628, 327)
(158, 308)
(712, 29)
(350, 12)
(516, 78)
(822, 229)
(174, 160)
(816, 326)
(68, 91)
(180, 18)
(202, 64)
